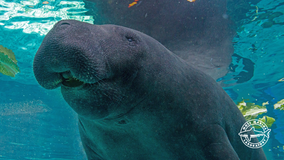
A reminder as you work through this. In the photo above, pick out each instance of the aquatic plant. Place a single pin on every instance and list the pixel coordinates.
(8, 62)
(252, 111)
(279, 105)
(267, 120)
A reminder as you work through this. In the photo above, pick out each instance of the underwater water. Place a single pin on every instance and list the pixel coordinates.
(38, 124)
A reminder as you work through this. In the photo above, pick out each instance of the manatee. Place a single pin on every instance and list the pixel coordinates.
(137, 100)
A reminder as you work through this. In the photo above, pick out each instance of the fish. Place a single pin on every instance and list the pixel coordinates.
(133, 3)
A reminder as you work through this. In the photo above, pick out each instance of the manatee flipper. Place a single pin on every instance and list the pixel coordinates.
(216, 144)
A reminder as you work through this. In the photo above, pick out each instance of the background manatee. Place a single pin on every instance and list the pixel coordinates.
(200, 32)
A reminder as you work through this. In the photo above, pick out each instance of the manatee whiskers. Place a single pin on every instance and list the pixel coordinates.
(71, 81)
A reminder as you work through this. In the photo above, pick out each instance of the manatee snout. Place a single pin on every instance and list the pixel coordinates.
(95, 66)
(75, 53)
(70, 55)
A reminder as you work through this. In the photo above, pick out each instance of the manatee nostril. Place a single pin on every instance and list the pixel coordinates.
(64, 23)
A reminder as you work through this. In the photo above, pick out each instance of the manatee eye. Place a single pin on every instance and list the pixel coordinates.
(130, 39)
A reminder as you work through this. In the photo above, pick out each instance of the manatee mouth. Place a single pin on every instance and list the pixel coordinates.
(69, 81)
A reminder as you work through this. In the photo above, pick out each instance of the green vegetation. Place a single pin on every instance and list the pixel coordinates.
(267, 120)
(252, 111)
(279, 105)
(8, 62)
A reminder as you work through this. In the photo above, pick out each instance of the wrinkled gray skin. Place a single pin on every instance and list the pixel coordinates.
(139, 101)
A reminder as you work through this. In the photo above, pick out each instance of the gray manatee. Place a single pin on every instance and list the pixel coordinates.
(135, 99)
